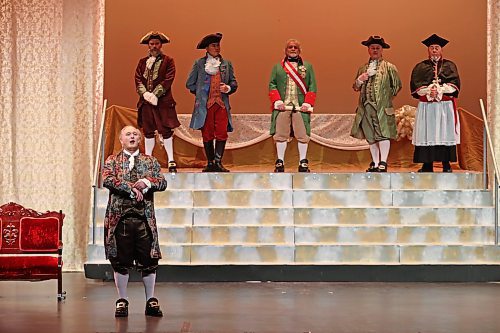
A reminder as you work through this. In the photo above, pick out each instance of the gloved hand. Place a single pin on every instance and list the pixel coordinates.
(279, 105)
(150, 97)
(361, 79)
(305, 107)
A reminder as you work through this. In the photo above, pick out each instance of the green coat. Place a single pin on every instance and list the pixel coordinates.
(386, 85)
(277, 91)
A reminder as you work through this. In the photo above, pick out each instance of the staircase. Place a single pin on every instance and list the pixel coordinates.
(319, 220)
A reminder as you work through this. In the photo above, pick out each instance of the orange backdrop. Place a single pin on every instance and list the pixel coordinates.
(330, 32)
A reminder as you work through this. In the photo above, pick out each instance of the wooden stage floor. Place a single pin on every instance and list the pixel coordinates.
(254, 307)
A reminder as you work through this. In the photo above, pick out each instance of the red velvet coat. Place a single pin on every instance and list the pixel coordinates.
(162, 78)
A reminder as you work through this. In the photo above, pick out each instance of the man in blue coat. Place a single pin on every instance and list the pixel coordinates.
(212, 80)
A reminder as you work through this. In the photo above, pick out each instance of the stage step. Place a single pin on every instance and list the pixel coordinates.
(318, 219)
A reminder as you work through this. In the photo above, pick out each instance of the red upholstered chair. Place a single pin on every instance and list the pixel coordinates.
(31, 245)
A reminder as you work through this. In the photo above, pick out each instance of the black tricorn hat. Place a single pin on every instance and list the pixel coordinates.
(376, 40)
(209, 39)
(155, 35)
(434, 40)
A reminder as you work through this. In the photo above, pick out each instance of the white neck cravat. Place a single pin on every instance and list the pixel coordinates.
(212, 65)
(149, 63)
(131, 158)
(372, 68)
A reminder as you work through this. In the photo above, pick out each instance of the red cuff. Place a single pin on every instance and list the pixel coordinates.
(274, 95)
(310, 98)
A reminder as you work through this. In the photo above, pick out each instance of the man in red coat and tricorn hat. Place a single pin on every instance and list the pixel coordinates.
(156, 107)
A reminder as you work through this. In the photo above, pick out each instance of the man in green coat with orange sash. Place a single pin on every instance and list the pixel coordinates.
(292, 90)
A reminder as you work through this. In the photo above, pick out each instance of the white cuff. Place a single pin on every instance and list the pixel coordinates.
(423, 91)
(148, 184)
(448, 89)
(359, 83)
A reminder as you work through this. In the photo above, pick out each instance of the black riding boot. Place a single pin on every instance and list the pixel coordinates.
(219, 152)
(210, 152)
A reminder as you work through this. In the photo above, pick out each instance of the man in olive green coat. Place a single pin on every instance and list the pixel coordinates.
(292, 90)
(378, 82)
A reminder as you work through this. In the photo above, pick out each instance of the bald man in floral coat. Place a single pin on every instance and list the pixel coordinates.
(130, 233)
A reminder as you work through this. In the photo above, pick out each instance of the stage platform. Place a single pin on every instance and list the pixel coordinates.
(253, 307)
(269, 226)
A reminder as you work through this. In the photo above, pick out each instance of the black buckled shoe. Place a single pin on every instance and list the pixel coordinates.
(172, 166)
(304, 165)
(121, 309)
(382, 166)
(372, 168)
(279, 166)
(153, 308)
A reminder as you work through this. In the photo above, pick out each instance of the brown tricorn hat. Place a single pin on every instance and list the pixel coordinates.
(155, 35)
(376, 40)
(209, 39)
(434, 40)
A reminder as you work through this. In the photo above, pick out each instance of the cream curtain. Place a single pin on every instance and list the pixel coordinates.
(493, 76)
(51, 72)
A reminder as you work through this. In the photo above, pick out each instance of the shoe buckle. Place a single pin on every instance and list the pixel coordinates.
(121, 305)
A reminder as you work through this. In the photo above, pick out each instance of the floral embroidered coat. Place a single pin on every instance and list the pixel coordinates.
(116, 178)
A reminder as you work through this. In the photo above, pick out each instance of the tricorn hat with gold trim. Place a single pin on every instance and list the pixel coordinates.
(155, 35)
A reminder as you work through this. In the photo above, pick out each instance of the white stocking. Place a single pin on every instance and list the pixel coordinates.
(302, 150)
(121, 282)
(169, 148)
(281, 147)
(375, 151)
(385, 146)
(149, 285)
(149, 145)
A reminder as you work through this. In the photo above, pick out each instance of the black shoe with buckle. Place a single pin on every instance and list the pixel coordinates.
(304, 165)
(172, 166)
(153, 308)
(279, 166)
(121, 309)
(382, 166)
(372, 168)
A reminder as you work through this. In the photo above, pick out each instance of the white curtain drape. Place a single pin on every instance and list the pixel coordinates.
(493, 75)
(51, 79)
